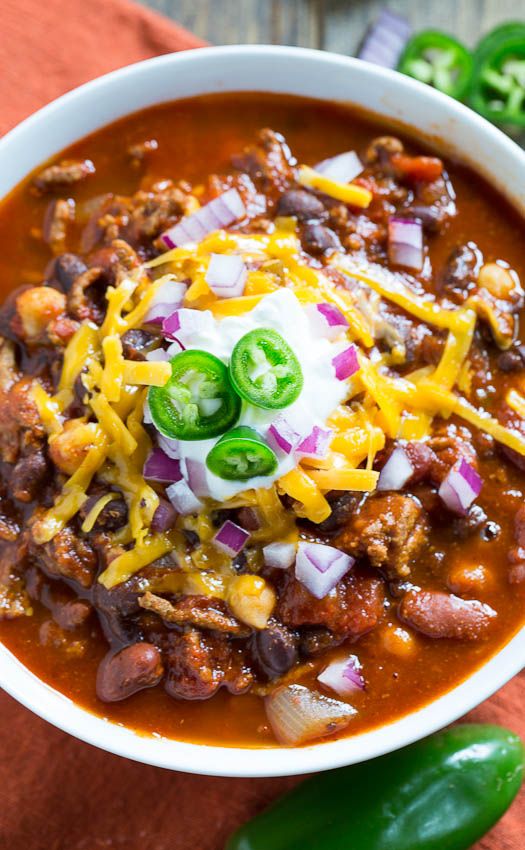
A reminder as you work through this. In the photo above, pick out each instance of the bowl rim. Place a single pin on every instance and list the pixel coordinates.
(62, 712)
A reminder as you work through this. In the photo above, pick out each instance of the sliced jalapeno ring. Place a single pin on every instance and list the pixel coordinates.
(241, 454)
(265, 371)
(198, 401)
(498, 88)
(440, 60)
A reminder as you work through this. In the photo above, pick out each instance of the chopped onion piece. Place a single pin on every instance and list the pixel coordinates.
(346, 363)
(175, 348)
(185, 323)
(281, 436)
(461, 486)
(279, 556)
(385, 40)
(196, 477)
(183, 498)
(343, 168)
(320, 567)
(326, 320)
(343, 677)
(316, 445)
(396, 471)
(218, 213)
(405, 242)
(226, 275)
(146, 414)
(159, 354)
(297, 714)
(160, 467)
(169, 446)
(231, 538)
(168, 297)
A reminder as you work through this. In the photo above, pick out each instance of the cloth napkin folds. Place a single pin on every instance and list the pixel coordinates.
(57, 793)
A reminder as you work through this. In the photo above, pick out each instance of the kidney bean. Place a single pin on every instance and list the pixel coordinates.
(443, 615)
(132, 669)
(301, 204)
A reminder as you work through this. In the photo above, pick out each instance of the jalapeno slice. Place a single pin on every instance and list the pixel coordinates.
(440, 60)
(198, 401)
(241, 454)
(498, 86)
(265, 371)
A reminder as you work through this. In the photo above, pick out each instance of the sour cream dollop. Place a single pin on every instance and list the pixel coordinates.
(322, 392)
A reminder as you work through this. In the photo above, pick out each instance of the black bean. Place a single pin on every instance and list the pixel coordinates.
(466, 525)
(276, 650)
(302, 205)
(512, 360)
(136, 342)
(164, 516)
(314, 641)
(318, 239)
(123, 673)
(67, 268)
(28, 476)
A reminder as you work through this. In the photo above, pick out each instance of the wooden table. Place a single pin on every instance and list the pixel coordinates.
(329, 24)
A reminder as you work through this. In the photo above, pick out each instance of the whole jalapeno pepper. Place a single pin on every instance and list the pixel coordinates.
(198, 401)
(440, 60)
(241, 454)
(265, 371)
(442, 793)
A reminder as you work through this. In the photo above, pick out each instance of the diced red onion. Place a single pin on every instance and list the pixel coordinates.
(160, 467)
(231, 538)
(316, 445)
(461, 486)
(159, 354)
(346, 363)
(405, 242)
(320, 567)
(164, 517)
(327, 320)
(185, 323)
(168, 297)
(279, 556)
(396, 471)
(343, 677)
(220, 212)
(196, 477)
(183, 498)
(226, 275)
(343, 168)
(169, 446)
(281, 436)
(385, 40)
(297, 714)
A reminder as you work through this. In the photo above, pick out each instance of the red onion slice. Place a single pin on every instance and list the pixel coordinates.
(326, 320)
(169, 446)
(168, 297)
(346, 363)
(297, 714)
(343, 168)
(461, 487)
(185, 323)
(226, 275)
(385, 40)
(321, 567)
(219, 213)
(281, 436)
(396, 471)
(231, 538)
(343, 677)
(196, 477)
(316, 445)
(160, 467)
(183, 498)
(164, 517)
(405, 242)
(279, 556)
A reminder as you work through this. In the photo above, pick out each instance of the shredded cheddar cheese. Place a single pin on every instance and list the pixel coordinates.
(349, 193)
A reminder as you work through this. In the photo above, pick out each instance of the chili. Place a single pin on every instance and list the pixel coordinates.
(440, 60)
(241, 454)
(198, 402)
(265, 371)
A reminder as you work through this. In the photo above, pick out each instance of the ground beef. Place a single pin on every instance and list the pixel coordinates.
(268, 162)
(68, 556)
(203, 612)
(199, 665)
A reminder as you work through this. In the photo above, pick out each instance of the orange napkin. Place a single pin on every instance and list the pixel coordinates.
(55, 792)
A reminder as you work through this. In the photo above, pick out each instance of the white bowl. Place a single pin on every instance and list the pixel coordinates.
(301, 72)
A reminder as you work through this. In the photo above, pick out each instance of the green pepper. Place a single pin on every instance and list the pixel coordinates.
(498, 83)
(265, 371)
(442, 793)
(440, 60)
(241, 454)
(198, 401)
